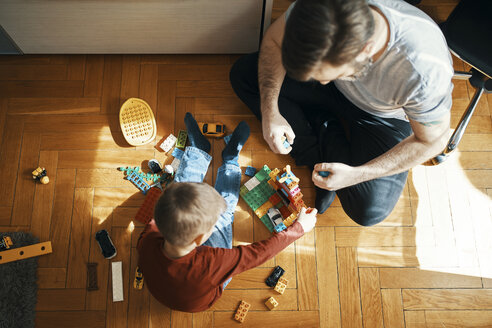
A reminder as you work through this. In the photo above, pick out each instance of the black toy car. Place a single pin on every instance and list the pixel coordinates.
(272, 279)
(155, 166)
(107, 246)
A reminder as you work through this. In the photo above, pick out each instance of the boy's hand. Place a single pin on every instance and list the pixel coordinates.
(307, 218)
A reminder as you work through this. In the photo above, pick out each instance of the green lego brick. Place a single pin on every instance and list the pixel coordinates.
(254, 200)
(266, 221)
(243, 191)
(263, 174)
(264, 189)
(182, 136)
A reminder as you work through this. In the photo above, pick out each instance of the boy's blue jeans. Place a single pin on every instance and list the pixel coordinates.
(193, 168)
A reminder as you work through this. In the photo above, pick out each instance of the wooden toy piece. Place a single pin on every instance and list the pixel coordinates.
(25, 252)
(5, 243)
(92, 276)
(242, 311)
(138, 282)
(281, 285)
(40, 175)
(117, 275)
(182, 136)
(137, 122)
(271, 303)
(169, 143)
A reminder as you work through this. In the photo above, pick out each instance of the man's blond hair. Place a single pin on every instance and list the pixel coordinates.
(186, 210)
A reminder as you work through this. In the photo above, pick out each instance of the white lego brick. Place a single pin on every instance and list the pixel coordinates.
(169, 169)
(251, 183)
(175, 164)
(168, 143)
(117, 273)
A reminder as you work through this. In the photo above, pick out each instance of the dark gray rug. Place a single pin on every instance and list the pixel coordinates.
(18, 286)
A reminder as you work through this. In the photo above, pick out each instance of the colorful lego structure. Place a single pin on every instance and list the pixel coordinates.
(250, 171)
(281, 285)
(274, 189)
(271, 303)
(169, 143)
(242, 311)
(182, 136)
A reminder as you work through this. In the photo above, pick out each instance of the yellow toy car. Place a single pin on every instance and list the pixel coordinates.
(138, 282)
(216, 130)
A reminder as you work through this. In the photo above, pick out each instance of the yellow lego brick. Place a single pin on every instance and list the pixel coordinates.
(281, 285)
(272, 183)
(263, 209)
(271, 303)
(292, 185)
(290, 219)
(242, 311)
(273, 174)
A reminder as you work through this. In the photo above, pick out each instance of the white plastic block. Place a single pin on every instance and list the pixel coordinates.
(169, 143)
(175, 164)
(251, 183)
(169, 169)
(117, 274)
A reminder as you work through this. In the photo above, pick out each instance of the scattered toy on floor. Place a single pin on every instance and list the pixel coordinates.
(21, 253)
(242, 311)
(146, 211)
(216, 130)
(92, 276)
(137, 122)
(154, 166)
(169, 143)
(117, 279)
(182, 136)
(5, 243)
(139, 280)
(281, 285)
(250, 171)
(40, 174)
(106, 244)
(271, 303)
(273, 278)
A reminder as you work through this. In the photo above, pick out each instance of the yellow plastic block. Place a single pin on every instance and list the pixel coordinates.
(273, 173)
(263, 209)
(242, 311)
(281, 285)
(290, 219)
(271, 303)
(272, 183)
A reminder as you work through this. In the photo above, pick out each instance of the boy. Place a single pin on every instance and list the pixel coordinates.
(186, 252)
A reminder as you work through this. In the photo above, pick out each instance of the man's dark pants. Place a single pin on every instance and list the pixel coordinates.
(315, 113)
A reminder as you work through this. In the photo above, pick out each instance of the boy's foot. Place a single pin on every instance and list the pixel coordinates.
(238, 139)
(324, 198)
(197, 139)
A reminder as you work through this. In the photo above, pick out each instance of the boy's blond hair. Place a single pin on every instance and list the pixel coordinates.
(186, 210)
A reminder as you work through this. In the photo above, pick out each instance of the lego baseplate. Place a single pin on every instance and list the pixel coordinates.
(137, 122)
(273, 189)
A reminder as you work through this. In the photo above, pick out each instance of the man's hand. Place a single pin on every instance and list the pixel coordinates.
(340, 176)
(307, 219)
(275, 126)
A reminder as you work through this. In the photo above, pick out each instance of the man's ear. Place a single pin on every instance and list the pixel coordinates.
(366, 52)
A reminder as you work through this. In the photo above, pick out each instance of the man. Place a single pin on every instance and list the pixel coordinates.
(360, 89)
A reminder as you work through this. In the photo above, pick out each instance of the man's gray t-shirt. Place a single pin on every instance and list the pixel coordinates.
(412, 78)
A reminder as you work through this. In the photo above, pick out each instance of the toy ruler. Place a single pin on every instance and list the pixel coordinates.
(25, 252)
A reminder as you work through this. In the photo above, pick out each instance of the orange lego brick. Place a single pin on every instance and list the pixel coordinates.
(275, 199)
(284, 211)
(271, 303)
(146, 211)
(242, 311)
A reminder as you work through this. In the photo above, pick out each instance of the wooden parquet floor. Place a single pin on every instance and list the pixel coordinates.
(428, 265)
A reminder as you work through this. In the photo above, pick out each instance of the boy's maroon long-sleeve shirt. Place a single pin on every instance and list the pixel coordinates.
(193, 282)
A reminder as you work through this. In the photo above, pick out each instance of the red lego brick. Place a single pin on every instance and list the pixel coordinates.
(275, 199)
(285, 212)
(146, 211)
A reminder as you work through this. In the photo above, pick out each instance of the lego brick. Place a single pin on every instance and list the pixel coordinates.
(117, 275)
(242, 311)
(286, 144)
(175, 164)
(273, 184)
(146, 211)
(20, 253)
(281, 285)
(177, 153)
(324, 174)
(285, 212)
(263, 209)
(279, 205)
(243, 191)
(169, 143)
(262, 174)
(252, 183)
(275, 199)
(273, 173)
(295, 191)
(271, 303)
(250, 171)
(290, 220)
(266, 221)
(182, 136)
(254, 200)
(280, 227)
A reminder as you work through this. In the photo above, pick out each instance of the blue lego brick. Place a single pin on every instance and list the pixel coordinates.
(177, 153)
(324, 174)
(250, 171)
(266, 221)
(263, 174)
(138, 182)
(286, 144)
(280, 227)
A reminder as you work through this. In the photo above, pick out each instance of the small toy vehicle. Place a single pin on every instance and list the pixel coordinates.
(155, 166)
(41, 175)
(272, 279)
(107, 246)
(5, 243)
(216, 129)
(275, 216)
(138, 282)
